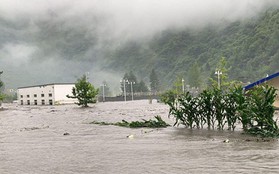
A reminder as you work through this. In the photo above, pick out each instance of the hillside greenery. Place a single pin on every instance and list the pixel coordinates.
(251, 48)
(72, 47)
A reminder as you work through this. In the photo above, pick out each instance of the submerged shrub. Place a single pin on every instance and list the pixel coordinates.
(220, 109)
(157, 123)
(262, 111)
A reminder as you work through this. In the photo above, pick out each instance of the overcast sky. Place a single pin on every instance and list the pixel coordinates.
(137, 16)
(110, 20)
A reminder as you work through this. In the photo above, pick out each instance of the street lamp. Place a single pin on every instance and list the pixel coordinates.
(132, 89)
(103, 86)
(124, 84)
(218, 73)
(183, 89)
(87, 76)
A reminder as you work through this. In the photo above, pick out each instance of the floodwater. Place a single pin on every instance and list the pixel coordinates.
(32, 140)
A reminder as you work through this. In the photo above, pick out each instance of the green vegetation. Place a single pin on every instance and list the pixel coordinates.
(154, 82)
(251, 49)
(222, 67)
(157, 123)
(10, 97)
(84, 92)
(250, 46)
(194, 76)
(217, 109)
(137, 86)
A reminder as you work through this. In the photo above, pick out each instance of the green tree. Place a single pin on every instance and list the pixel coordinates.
(130, 78)
(194, 75)
(154, 81)
(84, 92)
(142, 87)
(178, 85)
(223, 69)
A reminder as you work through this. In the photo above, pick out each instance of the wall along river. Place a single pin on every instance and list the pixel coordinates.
(32, 140)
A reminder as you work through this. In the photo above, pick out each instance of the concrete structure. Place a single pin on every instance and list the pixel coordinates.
(48, 94)
(272, 80)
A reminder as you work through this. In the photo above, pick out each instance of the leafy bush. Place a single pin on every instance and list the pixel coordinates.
(220, 109)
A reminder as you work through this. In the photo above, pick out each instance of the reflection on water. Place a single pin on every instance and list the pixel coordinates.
(32, 141)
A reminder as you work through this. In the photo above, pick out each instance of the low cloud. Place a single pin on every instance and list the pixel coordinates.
(58, 40)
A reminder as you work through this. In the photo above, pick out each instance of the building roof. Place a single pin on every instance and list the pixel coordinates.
(261, 81)
(46, 85)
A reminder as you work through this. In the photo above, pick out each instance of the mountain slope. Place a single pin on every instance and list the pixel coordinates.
(250, 46)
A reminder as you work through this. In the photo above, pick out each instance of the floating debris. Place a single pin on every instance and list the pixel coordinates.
(226, 141)
(130, 136)
(33, 128)
(158, 123)
(146, 131)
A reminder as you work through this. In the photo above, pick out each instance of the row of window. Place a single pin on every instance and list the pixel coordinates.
(43, 102)
(35, 95)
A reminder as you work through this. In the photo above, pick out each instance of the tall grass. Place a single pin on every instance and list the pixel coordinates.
(216, 109)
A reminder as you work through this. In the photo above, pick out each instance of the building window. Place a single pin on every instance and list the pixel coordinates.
(21, 96)
(21, 102)
(35, 95)
(50, 102)
(50, 94)
(42, 95)
(43, 102)
(28, 102)
(28, 96)
(35, 102)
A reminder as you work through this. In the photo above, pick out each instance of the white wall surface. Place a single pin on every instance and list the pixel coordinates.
(55, 93)
(35, 93)
(275, 83)
(60, 93)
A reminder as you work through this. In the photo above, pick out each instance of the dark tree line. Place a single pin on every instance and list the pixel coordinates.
(251, 47)
(131, 83)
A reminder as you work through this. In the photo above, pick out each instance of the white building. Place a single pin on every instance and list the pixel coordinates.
(48, 94)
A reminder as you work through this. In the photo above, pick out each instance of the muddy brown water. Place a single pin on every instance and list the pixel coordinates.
(32, 140)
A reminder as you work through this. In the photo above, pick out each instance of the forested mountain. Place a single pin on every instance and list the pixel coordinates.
(250, 46)
(59, 48)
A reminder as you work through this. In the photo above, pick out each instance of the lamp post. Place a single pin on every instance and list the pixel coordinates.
(132, 89)
(103, 86)
(87, 76)
(183, 89)
(124, 84)
(218, 73)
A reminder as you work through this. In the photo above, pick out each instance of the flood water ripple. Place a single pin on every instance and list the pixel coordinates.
(32, 140)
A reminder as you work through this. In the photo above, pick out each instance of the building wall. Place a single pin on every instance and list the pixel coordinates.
(275, 83)
(45, 94)
(37, 95)
(61, 92)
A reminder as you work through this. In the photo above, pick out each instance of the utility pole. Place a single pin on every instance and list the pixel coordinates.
(218, 73)
(124, 84)
(183, 88)
(103, 86)
(132, 89)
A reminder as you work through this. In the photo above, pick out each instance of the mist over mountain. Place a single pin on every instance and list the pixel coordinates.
(54, 41)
